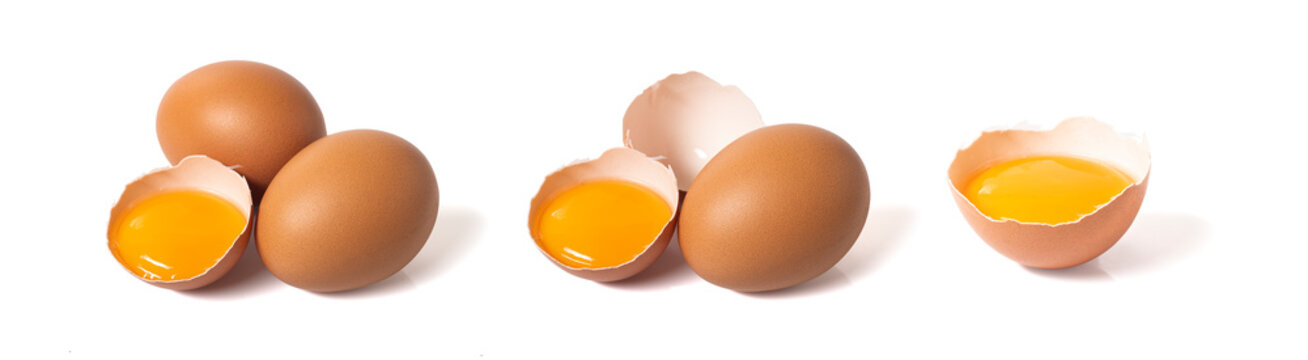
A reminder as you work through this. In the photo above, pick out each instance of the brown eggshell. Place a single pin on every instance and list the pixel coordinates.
(191, 173)
(349, 210)
(618, 163)
(246, 114)
(1068, 244)
(775, 208)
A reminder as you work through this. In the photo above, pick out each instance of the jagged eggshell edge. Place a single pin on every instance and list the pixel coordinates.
(685, 119)
(617, 163)
(1056, 246)
(195, 172)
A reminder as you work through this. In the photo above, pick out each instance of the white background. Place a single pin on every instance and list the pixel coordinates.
(500, 94)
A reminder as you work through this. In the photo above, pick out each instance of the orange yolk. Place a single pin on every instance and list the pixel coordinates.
(176, 235)
(1045, 189)
(601, 224)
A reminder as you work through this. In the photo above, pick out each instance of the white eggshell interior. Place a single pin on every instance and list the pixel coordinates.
(685, 119)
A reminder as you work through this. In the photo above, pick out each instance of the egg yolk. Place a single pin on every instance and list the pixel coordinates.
(176, 235)
(601, 224)
(1045, 189)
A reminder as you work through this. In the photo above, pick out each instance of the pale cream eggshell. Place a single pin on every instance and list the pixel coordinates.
(685, 119)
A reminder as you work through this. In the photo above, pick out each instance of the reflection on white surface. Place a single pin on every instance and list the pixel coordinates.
(1089, 271)
(884, 231)
(669, 271)
(828, 283)
(1154, 241)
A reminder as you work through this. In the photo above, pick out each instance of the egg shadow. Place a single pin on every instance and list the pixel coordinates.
(829, 281)
(1156, 240)
(455, 230)
(884, 231)
(399, 282)
(1090, 271)
(668, 271)
(248, 277)
(1153, 241)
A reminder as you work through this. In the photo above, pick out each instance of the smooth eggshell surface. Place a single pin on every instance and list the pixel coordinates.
(349, 210)
(251, 116)
(1054, 246)
(777, 207)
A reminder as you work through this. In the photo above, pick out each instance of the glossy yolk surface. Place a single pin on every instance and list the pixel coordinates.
(601, 224)
(176, 235)
(1045, 189)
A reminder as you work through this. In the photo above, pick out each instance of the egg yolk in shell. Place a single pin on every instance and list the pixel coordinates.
(601, 224)
(176, 235)
(1045, 189)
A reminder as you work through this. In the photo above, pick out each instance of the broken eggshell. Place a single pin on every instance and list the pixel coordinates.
(1056, 246)
(196, 172)
(615, 164)
(685, 119)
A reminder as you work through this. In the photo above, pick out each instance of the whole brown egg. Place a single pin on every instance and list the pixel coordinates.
(349, 210)
(776, 207)
(250, 116)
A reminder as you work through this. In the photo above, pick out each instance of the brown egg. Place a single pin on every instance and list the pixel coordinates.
(193, 173)
(1054, 246)
(349, 210)
(777, 207)
(251, 116)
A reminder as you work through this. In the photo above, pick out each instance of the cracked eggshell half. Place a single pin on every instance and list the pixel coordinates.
(614, 164)
(685, 119)
(195, 172)
(1056, 246)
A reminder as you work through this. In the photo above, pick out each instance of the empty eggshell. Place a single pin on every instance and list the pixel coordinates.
(195, 172)
(614, 164)
(685, 119)
(1054, 246)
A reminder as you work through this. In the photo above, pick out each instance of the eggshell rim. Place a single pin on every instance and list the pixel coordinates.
(1142, 142)
(244, 195)
(650, 93)
(539, 201)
